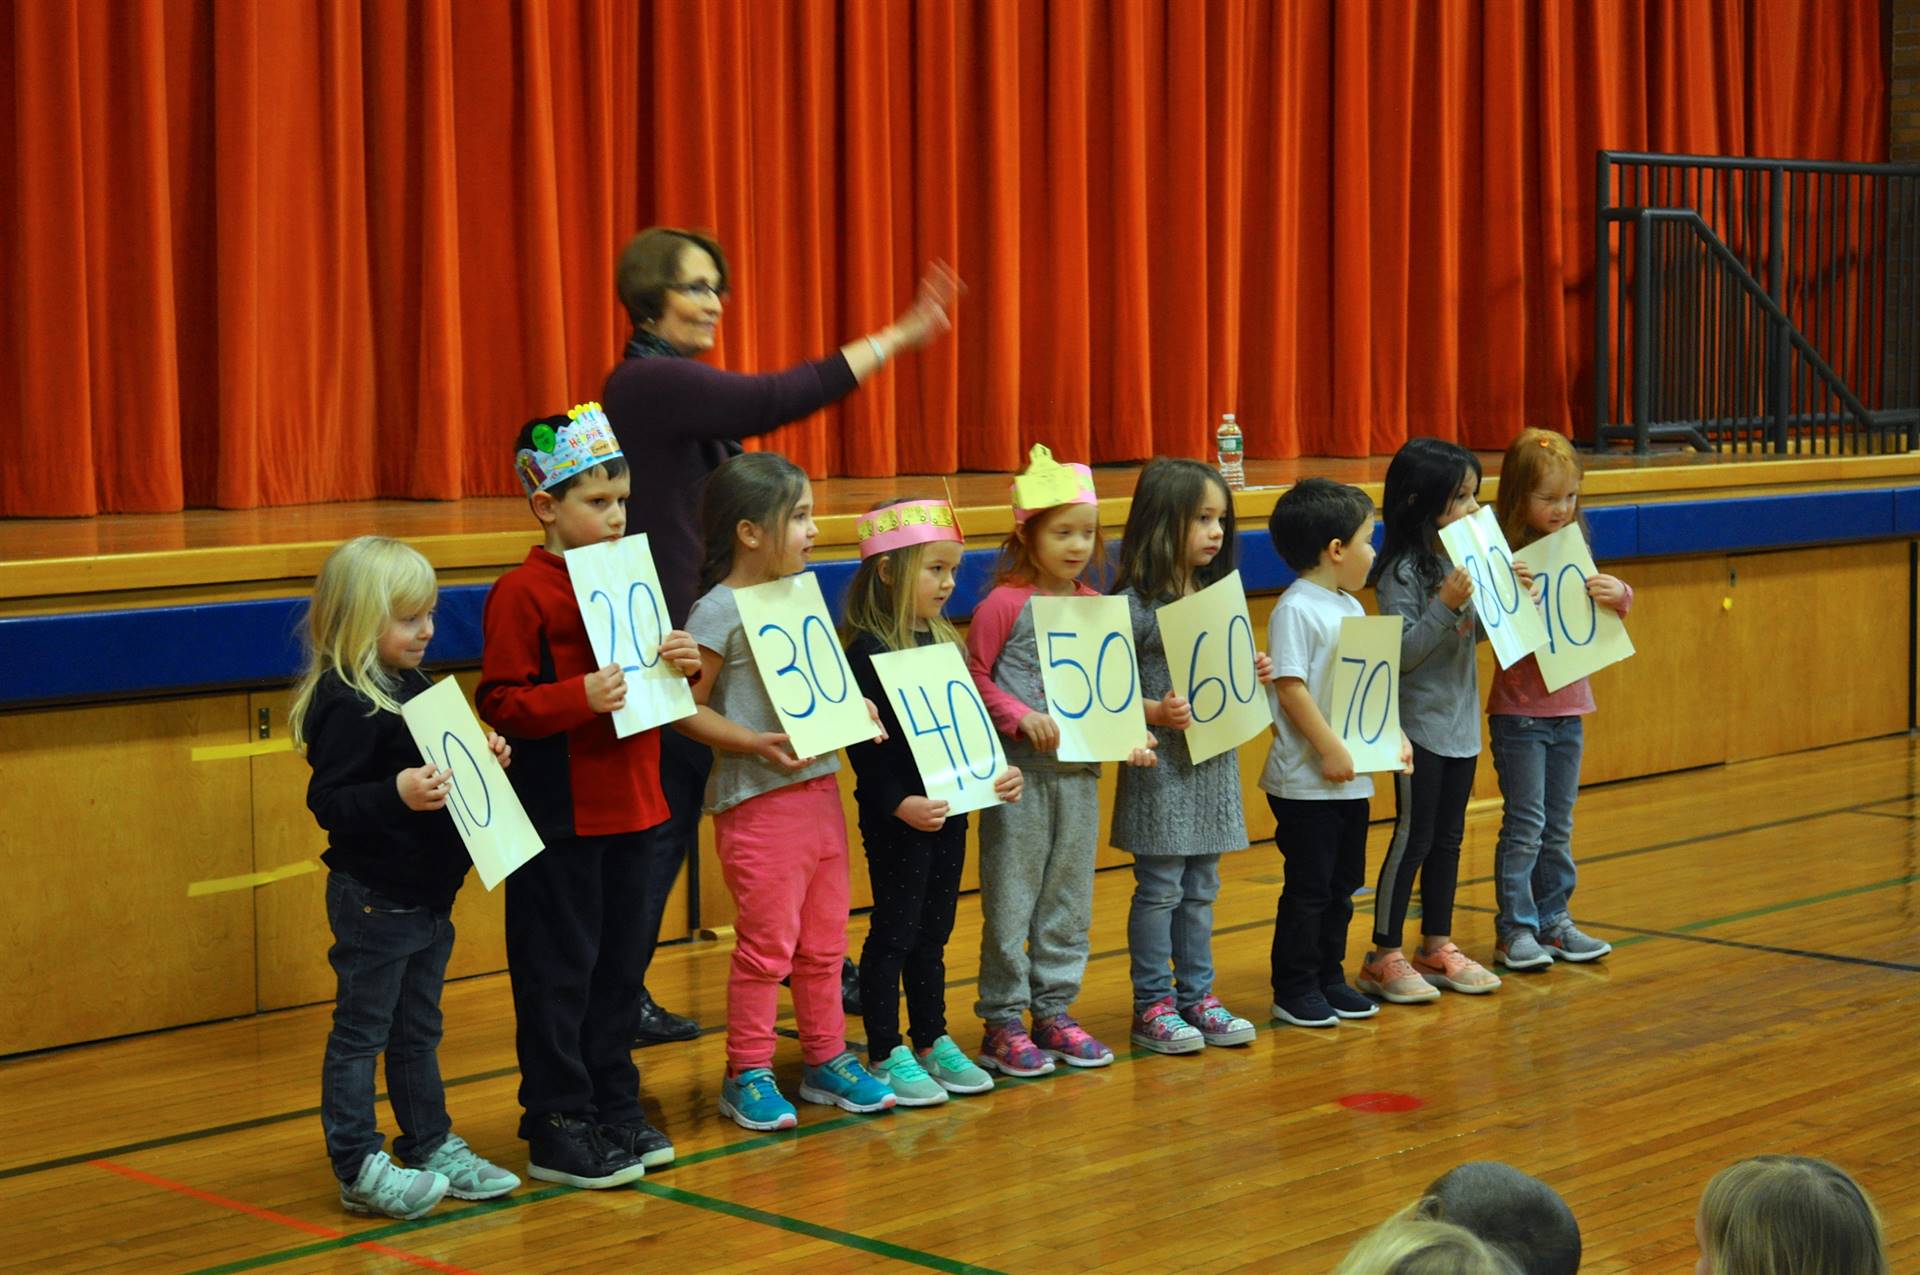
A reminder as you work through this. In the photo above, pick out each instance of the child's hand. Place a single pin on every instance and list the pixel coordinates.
(1144, 755)
(772, 745)
(1263, 667)
(1175, 712)
(1524, 574)
(1041, 731)
(424, 787)
(502, 751)
(1336, 767)
(880, 732)
(923, 814)
(1010, 784)
(1456, 589)
(1606, 590)
(1406, 753)
(680, 650)
(607, 689)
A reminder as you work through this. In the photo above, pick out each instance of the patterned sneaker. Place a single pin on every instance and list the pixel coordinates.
(1159, 1028)
(952, 1070)
(1522, 951)
(1347, 1003)
(638, 1138)
(842, 1082)
(1068, 1041)
(1453, 969)
(384, 1189)
(1218, 1025)
(753, 1101)
(1390, 977)
(1569, 943)
(469, 1177)
(1008, 1049)
(911, 1085)
(1308, 1009)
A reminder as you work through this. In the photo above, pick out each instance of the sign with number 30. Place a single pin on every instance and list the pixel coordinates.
(802, 666)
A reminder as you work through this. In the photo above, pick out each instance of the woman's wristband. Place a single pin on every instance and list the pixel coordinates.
(879, 352)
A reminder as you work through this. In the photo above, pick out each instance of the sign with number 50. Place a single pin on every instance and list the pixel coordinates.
(1091, 675)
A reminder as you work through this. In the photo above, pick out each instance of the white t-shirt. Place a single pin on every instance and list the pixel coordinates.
(1303, 636)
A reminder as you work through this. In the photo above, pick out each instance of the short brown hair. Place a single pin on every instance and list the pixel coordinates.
(650, 264)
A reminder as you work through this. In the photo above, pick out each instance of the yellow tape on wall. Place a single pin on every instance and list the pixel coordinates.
(220, 885)
(258, 748)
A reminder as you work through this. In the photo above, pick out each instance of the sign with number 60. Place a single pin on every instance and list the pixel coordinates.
(1210, 654)
(1364, 707)
(484, 807)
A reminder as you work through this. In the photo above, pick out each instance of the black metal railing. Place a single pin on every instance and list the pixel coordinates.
(1757, 305)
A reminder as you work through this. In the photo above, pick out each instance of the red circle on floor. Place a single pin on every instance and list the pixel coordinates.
(1381, 1102)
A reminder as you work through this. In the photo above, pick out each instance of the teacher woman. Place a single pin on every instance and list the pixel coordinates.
(677, 419)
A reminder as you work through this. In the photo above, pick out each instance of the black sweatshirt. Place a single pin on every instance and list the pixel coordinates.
(414, 857)
(884, 774)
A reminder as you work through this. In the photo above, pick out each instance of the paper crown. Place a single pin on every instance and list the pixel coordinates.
(584, 442)
(909, 522)
(1048, 483)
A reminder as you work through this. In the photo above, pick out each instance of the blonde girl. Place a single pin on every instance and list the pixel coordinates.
(1537, 736)
(777, 824)
(1036, 858)
(1176, 818)
(910, 551)
(395, 862)
(1787, 1215)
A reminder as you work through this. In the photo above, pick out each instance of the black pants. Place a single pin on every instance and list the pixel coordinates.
(683, 779)
(916, 886)
(575, 953)
(1325, 846)
(1426, 840)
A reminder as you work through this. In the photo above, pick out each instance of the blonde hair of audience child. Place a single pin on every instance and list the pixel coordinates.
(1788, 1215)
(1410, 1244)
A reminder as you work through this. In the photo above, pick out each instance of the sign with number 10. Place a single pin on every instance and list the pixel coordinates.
(1581, 637)
(1210, 653)
(802, 666)
(1364, 704)
(1091, 675)
(492, 822)
(1506, 611)
(618, 590)
(946, 724)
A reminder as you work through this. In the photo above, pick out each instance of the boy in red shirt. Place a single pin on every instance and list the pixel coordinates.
(575, 957)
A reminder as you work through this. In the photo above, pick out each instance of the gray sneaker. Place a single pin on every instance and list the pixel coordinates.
(1521, 951)
(384, 1189)
(468, 1175)
(1568, 943)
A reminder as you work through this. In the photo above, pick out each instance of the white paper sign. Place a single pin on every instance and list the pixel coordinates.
(802, 666)
(1091, 675)
(619, 594)
(1581, 637)
(1364, 703)
(1506, 611)
(485, 808)
(1210, 653)
(954, 744)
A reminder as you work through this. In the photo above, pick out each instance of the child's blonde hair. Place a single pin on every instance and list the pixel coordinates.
(1409, 1244)
(1789, 1215)
(361, 588)
(1531, 460)
(881, 602)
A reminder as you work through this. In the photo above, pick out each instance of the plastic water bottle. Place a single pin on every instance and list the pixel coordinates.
(1230, 449)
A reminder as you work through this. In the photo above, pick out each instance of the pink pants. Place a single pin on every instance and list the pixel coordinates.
(784, 855)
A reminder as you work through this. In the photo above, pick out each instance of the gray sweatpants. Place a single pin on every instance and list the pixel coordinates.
(1036, 894)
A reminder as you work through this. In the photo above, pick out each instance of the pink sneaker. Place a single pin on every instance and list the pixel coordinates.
(1160, 1028)
(1453, 969)
(1066, 1040)
(1008, 1050)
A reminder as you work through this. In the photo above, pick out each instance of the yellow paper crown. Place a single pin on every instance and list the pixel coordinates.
(1048, 483)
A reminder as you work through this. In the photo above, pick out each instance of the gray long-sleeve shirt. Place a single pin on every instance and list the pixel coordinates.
(1439, 679)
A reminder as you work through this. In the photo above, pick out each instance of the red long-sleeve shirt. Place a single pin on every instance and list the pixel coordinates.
(573, 774)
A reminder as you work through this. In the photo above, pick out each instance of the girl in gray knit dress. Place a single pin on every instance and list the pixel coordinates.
(1177, 818)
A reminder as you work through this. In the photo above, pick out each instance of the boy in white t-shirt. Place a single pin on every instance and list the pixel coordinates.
(1324, 531)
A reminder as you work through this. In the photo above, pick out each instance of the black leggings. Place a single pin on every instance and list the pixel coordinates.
(1431, 820)
(916, 886)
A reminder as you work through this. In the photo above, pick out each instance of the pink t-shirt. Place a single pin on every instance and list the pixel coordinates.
(1520, 691)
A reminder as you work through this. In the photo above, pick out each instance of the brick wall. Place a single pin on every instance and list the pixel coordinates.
(1904, 136)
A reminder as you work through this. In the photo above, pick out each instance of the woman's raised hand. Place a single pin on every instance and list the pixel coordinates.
(926, 320)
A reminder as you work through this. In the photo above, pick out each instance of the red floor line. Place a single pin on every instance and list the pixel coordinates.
(254, 1210)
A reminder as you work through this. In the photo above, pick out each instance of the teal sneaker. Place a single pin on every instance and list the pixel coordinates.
(952, 1070)
(468, 1175)
(911, 1085)
(843, 1082)
(752, 1100)
(384, 1189)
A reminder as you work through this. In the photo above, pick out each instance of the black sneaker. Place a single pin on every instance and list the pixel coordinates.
(1308, 1009)
(1348, 1003)
(639, 1139)
(568, 1150)
(658, 1026)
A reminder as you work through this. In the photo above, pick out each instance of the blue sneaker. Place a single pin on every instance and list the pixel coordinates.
(752, 1100)
(843, 1082)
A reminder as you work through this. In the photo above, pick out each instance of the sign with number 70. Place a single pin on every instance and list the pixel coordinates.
(1364, 704)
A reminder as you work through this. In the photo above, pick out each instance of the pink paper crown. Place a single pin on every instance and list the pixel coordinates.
(909, 522)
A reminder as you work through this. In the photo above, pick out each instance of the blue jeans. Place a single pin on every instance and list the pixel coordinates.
(390, 961)
(1170, 926)
(1538, 759)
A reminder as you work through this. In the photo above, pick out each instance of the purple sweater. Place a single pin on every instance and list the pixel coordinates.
(677, 420)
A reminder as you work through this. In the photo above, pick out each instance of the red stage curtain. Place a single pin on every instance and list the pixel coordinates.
(262, 254)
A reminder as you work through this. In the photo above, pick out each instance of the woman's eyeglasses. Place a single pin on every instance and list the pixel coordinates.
(699, 290)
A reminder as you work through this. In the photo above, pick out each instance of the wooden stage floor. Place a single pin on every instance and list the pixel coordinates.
(1761, 997)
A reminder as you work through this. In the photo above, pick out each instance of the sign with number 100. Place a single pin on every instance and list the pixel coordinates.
(802, 666)
(1506, 611)
(955, 746)
(1091, 675)
(1211, 656)
(1582, 638)
(1364, 700)
(618, 590)
(483, 805)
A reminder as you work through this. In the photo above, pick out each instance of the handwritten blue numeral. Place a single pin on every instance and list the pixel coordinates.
(986, 724)
(1077, 667)
(448, 742)
(793, 666)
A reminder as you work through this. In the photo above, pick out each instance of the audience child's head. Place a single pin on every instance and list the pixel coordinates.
(574, 476)
(1321, 524)
(1430, 483)
(1539, 487)
(1056, 527)
(1518, 1214)
(1180, 531)
(756, 513)
(910, 552)
(1787, 1215)
(371, 618)
(1409, 1244)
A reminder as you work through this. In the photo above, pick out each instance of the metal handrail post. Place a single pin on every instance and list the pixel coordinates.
(1776, 334)
(1642, 336)
(1602, 282)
